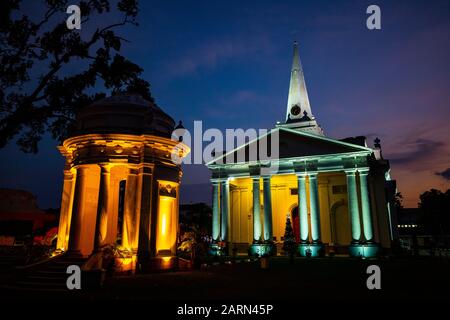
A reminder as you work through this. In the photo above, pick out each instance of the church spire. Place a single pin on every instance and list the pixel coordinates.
(298, 102)
(298, 111)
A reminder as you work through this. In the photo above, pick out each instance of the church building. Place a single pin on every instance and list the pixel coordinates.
(337, 193)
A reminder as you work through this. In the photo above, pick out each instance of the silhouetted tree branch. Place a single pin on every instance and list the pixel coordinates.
(38, 92)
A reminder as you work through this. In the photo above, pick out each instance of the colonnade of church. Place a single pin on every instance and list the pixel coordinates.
(309, 215)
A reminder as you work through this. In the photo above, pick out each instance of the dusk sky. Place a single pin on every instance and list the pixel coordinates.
(227, 63)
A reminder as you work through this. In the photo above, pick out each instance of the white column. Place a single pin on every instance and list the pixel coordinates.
(215, 210)
(267, 209)
(365, 205)
(302, 207)
(353, 205)
(225, 192)
(315, 209)
(257, 230)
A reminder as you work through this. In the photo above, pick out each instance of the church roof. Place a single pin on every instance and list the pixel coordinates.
(292, 144)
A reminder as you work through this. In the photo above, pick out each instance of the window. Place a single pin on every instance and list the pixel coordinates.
(339, 189)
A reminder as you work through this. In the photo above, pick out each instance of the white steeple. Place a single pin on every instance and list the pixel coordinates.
(298, 111)
(298, 96)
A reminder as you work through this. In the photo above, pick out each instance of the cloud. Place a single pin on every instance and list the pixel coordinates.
(250, 99)
(235, 107)
(417, 150)
(207, 56)
(444, 174)
(210, 54)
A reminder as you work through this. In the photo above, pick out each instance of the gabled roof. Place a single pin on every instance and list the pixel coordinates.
(293, 144)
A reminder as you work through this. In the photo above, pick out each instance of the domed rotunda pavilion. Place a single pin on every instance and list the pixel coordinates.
(121, 187)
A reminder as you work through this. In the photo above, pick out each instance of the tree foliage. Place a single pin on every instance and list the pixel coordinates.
(435, 206)
(39, 91)
(289, 244)
(398, 200)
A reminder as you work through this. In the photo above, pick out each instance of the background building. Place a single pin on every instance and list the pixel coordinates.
(20, 217)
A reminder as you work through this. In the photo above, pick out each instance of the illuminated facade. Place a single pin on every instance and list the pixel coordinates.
(338, 193)
(121, 186)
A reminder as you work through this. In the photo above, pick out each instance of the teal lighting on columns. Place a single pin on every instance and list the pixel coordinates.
(305, 248)
(256, 211)
(364, 250)
(225, 192)
(358, 248)
(262, 249)
(314, 207)
(365, 205)
(303, 208)
(267, 209)
(215, 211)
(353, 206)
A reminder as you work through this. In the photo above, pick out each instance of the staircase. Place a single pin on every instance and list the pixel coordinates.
(48, 276)
(9, 262)
(11, 257)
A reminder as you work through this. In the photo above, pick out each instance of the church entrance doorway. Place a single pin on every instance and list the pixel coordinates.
(340, 225)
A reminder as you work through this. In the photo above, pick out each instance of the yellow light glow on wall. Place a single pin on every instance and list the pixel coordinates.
(163, 224)
(166, 235)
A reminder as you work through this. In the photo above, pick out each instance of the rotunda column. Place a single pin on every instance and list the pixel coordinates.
(66, 210)
(131, 215)
(84, 213)
(103, 207)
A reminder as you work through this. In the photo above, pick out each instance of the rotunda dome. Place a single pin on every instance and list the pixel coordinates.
(124, 113)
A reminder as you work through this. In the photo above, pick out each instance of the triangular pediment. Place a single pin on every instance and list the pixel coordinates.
(292, 144)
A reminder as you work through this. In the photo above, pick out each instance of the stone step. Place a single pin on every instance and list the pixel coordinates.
(21, 290)
(11, 258)
(69, 262)
(12, 261)
(56, 267)
(43, 279)
(48, 277)
(51, 273)
(34, 284)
